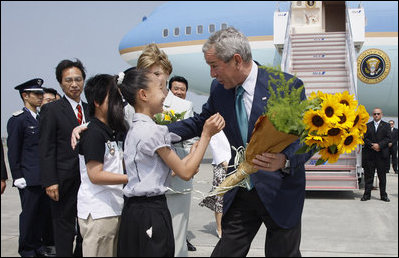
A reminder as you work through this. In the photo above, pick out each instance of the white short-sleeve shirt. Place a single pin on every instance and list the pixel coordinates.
(146, 171)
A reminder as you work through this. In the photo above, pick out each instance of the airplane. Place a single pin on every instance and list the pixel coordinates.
(332, 46)
(181, 28)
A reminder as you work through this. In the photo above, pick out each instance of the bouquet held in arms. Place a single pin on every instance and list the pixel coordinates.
(168, 117)
(324, 122)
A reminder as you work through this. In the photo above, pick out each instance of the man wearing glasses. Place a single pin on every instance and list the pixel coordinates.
(376, 154)
(59, 163)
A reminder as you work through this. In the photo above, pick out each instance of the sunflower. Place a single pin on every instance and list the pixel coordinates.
(347, 118)
(331, 109)
(330, 153)
(315, 120)
(320, 141)
(349, 141)
(334, 135)
(346, 99)
(167, 117)
(361, 118)
(319, 94)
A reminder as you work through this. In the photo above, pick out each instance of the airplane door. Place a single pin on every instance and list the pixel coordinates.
(334, 12)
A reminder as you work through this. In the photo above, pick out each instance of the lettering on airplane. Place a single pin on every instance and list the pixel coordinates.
(373, 66)
(319, 73)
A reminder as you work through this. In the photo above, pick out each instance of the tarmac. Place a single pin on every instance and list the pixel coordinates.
(334, 223)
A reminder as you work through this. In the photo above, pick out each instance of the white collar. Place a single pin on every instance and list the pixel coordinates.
(250, 82)
(73, 102)
(32, 113)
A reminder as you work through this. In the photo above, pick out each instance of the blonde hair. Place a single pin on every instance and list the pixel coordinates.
(153, 55)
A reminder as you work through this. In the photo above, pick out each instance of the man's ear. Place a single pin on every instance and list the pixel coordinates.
(237, 59)
(25, 95)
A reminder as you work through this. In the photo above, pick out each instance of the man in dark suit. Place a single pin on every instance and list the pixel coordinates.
(23, 147)
(276, 193)
(59, 163)
(376, 154)
(393, 147)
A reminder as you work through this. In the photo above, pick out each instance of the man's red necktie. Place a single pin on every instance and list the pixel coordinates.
(80, 114)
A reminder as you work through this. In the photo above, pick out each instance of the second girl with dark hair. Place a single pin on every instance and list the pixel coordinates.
(100, 197)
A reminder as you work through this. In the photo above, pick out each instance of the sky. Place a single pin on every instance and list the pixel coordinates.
(37, 35)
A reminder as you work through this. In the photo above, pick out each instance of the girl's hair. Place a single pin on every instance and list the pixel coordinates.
(96, 90)
(130, 82)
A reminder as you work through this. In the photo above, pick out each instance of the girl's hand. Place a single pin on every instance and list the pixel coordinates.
(213, 125)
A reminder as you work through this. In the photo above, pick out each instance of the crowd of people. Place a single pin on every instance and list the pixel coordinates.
(112, 182)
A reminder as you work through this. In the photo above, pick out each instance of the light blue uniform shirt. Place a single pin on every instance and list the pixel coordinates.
(147, 172)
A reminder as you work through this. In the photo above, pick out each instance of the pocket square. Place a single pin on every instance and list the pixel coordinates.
(264, 98)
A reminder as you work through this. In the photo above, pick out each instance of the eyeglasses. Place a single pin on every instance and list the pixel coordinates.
(76, 79)
(377, 114)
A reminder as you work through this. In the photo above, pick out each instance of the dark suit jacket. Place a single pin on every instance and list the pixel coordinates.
(394, 137)
(58, 161)
(283, 196)
(382, 136)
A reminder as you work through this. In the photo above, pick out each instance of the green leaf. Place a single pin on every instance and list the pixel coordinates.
(320, 161)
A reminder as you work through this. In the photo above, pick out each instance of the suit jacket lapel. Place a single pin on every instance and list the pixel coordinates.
(261, 95)
(69, 112)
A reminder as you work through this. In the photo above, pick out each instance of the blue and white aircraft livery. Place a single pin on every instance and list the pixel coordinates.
(331, 45)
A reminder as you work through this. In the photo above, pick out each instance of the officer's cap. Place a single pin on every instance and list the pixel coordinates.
(31, 85)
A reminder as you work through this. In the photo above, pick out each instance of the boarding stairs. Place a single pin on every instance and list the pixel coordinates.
(319, 60)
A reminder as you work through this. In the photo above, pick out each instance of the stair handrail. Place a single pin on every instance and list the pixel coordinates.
(351, 59)
(285, 59)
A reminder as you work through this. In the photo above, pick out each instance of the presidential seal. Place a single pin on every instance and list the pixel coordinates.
(373, 66)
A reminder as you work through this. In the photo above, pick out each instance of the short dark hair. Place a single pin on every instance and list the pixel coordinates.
(65, 64)
(50, 90)
(96, 90)
(178, 79)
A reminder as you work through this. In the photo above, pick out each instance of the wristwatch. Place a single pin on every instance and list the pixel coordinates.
(287, 167)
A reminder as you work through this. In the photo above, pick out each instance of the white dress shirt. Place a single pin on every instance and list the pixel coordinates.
(249, 87)
(74, 105)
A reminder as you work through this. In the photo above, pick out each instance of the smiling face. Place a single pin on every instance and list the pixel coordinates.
(72, 83)
(155, 94)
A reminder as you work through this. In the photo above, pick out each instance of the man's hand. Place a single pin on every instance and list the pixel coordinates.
(52, 192)
(20, 183)
(75, 137)
(3, 185)
(375, 146)
(269, 161)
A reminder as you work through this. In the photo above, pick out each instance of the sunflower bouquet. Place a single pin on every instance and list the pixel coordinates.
(325, 123)
(334, 127)
(168, 117)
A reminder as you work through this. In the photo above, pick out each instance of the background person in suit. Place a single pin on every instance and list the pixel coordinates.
(393, 147)
(277, 197)
(49, 95)
(23, 146)
(376, 154)
(4, 175)
(59, 163)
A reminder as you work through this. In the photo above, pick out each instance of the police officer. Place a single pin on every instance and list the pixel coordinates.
(23, 156)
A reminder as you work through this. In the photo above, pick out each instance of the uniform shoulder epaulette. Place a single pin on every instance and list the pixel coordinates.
(17, 113)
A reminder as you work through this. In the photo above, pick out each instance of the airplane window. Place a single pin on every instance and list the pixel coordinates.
(211, 28)
(176, 31)
(223, 26)
(188, 30)
(200, 29)
(165, 33)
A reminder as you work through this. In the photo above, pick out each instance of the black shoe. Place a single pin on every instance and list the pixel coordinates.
(190, 247)
(385, 199)
(365, 198)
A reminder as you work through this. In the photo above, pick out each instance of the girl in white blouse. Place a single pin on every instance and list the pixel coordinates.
(146, 225)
